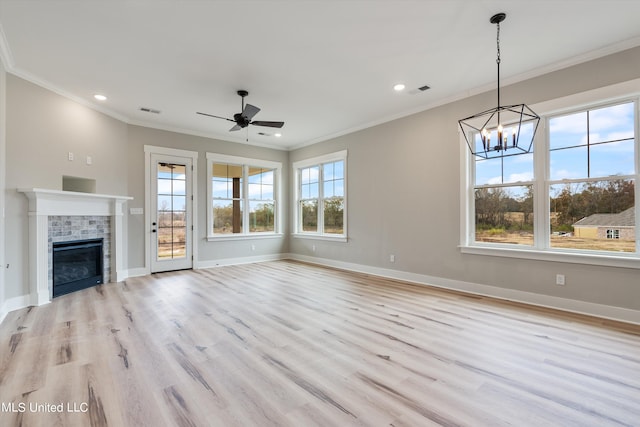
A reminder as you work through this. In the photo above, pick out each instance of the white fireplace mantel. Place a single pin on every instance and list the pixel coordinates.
(44, 203)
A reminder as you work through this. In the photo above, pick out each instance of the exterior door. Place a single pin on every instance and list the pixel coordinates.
(171, 213)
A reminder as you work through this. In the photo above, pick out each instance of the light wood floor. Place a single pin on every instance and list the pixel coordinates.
(290, 344)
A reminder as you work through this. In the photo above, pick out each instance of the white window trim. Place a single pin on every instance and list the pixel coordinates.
(245, 162)
(315, 161)
(627, 91)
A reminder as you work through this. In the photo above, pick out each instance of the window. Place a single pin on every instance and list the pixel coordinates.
(591, 171)
(242, 196)
(321, 196)
(504, 198)
(574, 195)
(613, 234)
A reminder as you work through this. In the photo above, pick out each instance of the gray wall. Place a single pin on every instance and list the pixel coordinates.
(43, 127)
(396, 172)
(207, 251)
(3, 126)
(404, 196)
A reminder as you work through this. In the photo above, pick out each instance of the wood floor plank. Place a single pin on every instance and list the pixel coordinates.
(285, 343)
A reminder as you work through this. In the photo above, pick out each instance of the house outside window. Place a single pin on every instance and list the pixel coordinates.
(243, 196)
(321, 197)
(575, 194)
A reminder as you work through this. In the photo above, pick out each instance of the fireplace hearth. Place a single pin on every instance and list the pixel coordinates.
(77, 265)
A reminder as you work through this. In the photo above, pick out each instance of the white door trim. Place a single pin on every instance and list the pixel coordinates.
(193, 155)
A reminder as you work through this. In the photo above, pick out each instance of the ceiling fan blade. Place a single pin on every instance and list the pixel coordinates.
(268, 124)
(250, 111)
(236, 127)
(217, 117)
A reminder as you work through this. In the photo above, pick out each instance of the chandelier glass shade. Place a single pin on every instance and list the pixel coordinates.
(504, 130)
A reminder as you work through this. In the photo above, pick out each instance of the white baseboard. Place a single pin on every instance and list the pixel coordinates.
(565, 304)
(14, 303)
(239, 260)
(136, 272)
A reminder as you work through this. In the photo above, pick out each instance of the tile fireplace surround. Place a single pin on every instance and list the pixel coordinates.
(44, 204)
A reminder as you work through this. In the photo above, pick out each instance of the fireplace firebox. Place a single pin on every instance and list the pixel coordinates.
(77, 265)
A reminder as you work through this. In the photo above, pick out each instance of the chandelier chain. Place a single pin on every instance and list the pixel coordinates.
(498, 43)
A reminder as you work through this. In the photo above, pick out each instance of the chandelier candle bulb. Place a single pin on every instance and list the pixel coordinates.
(514, 137)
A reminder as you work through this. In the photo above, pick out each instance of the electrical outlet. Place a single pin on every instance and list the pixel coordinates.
(560, 279)
(89, 160)
(253, 247)
(392, 258)
(313, 248)
(70, 156)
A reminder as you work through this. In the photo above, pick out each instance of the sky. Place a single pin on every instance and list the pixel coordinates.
(598, 143)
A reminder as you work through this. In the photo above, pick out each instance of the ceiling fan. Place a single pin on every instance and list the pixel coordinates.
(243, 119)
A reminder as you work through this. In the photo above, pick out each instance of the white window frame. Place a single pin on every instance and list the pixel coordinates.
(318, 161)
(245, 162)
(610, 95)
(613, 233)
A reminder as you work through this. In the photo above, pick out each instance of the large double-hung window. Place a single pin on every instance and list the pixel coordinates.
(575, 194)
(321, 196)
(243, 196)
(592, 177)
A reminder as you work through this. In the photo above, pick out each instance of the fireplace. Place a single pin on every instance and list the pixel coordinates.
(77, 265)
(55, 216)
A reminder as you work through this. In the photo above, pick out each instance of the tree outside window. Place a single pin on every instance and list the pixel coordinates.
(321, 196)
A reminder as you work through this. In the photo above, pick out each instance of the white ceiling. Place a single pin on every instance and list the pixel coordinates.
(326, 67)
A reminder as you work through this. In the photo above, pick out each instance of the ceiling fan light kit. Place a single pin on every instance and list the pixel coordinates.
(243, 119)
(503, 130)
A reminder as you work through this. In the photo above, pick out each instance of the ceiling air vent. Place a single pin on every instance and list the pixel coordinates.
(149, 110)
(418, 90)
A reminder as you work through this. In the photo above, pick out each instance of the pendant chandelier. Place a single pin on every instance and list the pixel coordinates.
(504, 130)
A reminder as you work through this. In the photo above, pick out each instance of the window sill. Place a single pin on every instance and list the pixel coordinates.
(626, 260)
(326, 237)
(256, 236)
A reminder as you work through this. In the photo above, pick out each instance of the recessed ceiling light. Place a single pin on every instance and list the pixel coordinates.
(278, 135)
(100, 97)
(398, 87)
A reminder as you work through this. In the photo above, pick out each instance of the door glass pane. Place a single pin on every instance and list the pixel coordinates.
(171, 211)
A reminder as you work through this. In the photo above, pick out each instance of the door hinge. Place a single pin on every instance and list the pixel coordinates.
(192, 197)
(192, 228)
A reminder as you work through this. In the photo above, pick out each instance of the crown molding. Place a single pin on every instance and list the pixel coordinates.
(5, 52)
